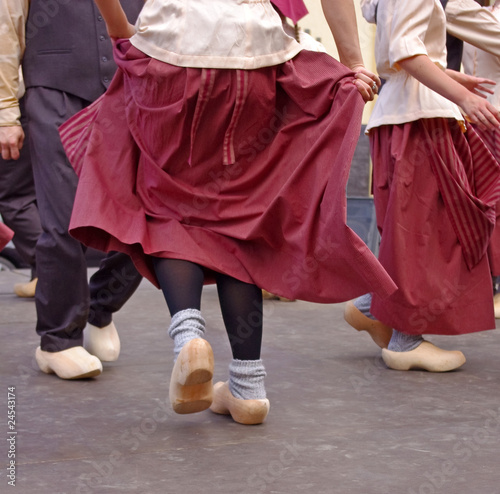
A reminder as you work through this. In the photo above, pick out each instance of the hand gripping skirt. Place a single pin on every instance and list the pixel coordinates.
(242, 172)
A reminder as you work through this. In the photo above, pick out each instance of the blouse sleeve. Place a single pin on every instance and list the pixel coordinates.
(468, 21)
(13, 15)
(410, 24)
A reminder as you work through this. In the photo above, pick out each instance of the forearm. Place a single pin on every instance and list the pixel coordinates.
(115, 17)
(13, 14)
(341, 18)
(428, 73)
(476, 108)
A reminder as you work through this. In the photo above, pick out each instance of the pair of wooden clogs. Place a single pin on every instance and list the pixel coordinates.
(191, 388)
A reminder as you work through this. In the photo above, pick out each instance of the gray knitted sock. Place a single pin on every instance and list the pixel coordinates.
(246, 379)
(363, 304)
(186, 325)
(401, 342)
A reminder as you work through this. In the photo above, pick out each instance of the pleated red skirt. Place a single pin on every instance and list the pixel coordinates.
(243, 172)
(435, 192)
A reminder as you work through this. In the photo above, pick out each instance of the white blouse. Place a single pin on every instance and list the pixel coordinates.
(406, 29)
(483, 64)
(224, 34)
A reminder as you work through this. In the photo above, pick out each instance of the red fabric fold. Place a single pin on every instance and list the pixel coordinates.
(435, 191)
(492, 140)
(257, 192)
(469, 181)
(6, 235)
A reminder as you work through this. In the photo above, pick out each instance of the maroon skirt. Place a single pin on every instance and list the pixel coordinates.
(243, 172)
(435, 191)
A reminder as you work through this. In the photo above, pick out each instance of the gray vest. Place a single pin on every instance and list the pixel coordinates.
(68, 47)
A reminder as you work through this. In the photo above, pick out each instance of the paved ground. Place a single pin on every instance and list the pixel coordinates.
(340, 422)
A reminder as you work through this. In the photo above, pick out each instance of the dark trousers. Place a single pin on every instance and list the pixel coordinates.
(18, 205)
(63, 295)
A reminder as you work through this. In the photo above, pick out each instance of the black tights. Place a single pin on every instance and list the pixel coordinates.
(241, 303)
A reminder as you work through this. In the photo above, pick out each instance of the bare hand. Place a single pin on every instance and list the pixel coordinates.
(481, 113)
(367, 82)
(476, 85)
(11, 141)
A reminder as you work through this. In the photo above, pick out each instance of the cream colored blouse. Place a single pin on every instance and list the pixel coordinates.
(224, 34)
(405, 29)
(483, 64)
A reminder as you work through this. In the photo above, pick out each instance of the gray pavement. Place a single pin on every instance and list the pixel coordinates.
(340, 422)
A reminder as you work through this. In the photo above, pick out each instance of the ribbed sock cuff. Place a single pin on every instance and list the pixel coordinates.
(186, 325)
(363, 304)
(246, 379)
(401, 342)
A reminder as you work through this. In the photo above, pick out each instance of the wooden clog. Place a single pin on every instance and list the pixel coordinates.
(73, 363)
(104, 342)
(380, 333)
(248, 412)
(191, 388)
(26, 290)
(496, 305)
(426, 356)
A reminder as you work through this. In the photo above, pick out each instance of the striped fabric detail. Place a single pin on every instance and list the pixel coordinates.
(241, 96)
(468, 177)
(206, 86)
(204, 94)
(492, 140)
(76, 134)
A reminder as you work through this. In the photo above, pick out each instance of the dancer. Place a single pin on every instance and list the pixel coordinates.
(227, 150)
(67, 64)
(466, 20)
(435, 191)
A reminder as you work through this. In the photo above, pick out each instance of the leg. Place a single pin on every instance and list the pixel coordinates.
(181, 283)
(110, 287)
(191, 381)
(19, 209)
(357, 314)
(244, 395)
(241, 305)
(62, 296)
